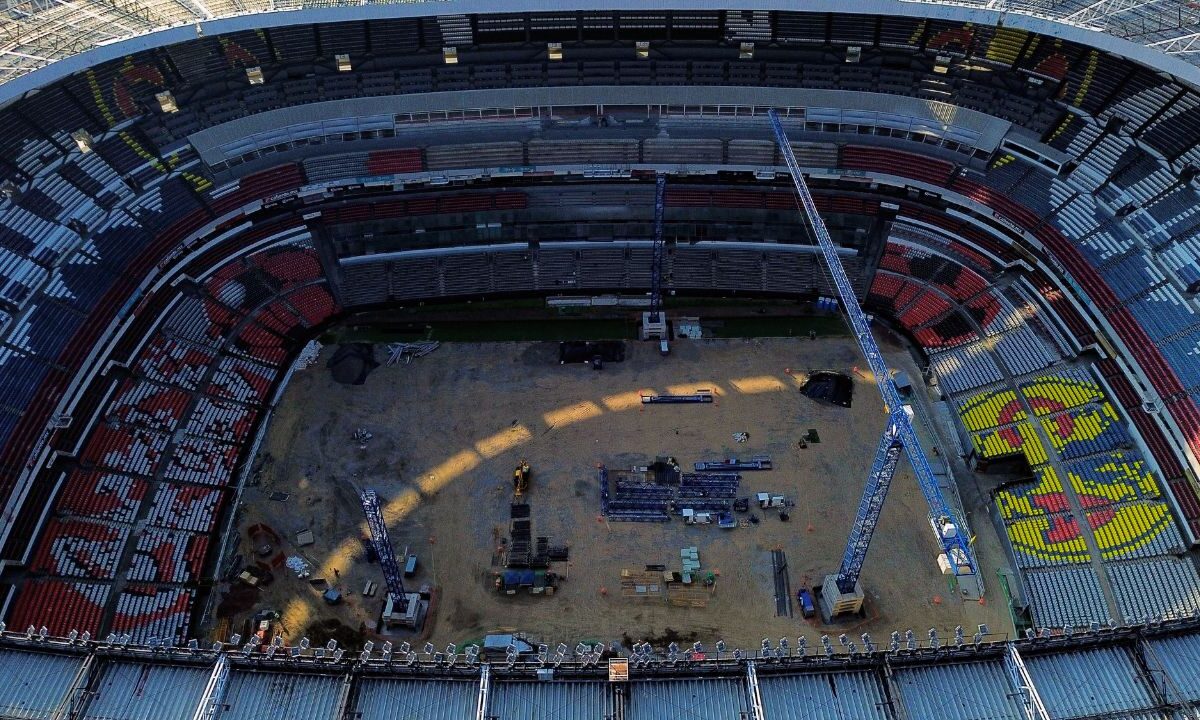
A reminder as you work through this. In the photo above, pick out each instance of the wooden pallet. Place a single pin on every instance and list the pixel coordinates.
(641, 584)
(694, 595)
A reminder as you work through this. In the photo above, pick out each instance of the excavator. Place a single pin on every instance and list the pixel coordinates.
(521, 476)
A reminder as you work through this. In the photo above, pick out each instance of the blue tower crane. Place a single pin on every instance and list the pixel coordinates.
(654, 322)
(383, 548)
(660, 209)
(842, 592)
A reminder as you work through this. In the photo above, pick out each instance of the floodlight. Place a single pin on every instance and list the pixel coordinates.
(428, 649)
(193, 644)
(72, 635)
(84, 638)
(235, 639)
(338, 654)
(368, 646)
(305, 643)
(331, 645)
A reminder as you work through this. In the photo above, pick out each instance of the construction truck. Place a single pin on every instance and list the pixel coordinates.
(521, 478)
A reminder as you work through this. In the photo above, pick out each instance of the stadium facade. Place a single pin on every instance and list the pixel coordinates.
(1013, 187)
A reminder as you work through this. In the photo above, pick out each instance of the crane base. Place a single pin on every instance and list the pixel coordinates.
(835, 603)
(654, 326)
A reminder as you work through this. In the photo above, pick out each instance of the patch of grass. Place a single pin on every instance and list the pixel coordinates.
(825, 326)
(494, 331)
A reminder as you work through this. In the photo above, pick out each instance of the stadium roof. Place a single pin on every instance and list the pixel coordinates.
(37, 33)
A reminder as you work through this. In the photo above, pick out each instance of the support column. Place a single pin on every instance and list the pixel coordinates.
(214, 691)
(1023, 684)
(485, 688)
(69, 706)
(1166, 692)
(752, 691)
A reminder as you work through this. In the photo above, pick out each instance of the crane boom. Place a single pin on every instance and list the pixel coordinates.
(899, 432)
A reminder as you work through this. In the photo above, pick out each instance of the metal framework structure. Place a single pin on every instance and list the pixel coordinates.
(35, 33)
(656, 262)
(383, 545)
(899, 432)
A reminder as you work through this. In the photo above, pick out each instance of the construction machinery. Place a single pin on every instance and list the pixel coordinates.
(841, 592)
(521, 475)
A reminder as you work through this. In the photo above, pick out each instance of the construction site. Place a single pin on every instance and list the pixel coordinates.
(510, 482)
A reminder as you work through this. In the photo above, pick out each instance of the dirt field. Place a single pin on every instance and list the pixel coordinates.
(449, 428)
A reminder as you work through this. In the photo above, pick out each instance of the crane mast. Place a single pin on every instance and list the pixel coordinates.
(654, 322)
(383, 547)
(841, 592)
(660, 208)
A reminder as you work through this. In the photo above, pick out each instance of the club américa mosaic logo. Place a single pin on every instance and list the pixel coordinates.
(1117, 492)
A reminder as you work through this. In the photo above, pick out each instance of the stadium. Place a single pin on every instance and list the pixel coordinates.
(214, 217)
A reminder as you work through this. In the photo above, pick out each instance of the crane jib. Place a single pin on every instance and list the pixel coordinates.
(900, 432)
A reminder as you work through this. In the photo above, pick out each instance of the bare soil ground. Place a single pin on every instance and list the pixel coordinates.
(449, 428)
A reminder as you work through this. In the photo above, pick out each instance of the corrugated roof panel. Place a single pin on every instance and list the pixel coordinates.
(1088, 682)
(959, 691)
(550, 701)
(1180, 659)
(823, 696)
(34, 683)
(691, 699)
(390, 699)
(139, 691)
(282, 696)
